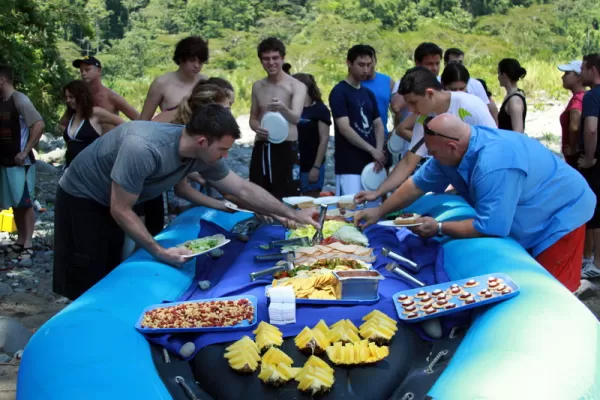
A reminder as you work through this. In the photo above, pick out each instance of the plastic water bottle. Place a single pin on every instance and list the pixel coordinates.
(296, 172)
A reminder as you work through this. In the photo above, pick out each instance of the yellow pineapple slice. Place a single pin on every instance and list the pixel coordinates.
(243, 355)
(244, 342)
(377, 314)
(346, 333)
(274, 356)
(322, 326)
(267, 336)
(316, 377)
(277, 375)
(363, 352)
(287, 371)
(346, 323)
(378, 328)
(312, 341)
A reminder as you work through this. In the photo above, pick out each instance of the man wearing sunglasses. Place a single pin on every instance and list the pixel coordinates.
(424, 96)
(517, 187)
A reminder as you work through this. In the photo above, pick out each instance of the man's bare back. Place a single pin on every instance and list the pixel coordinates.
(289, 91)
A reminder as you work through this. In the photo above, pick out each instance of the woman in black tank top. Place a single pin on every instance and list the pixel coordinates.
(85, 120)
(514, 107)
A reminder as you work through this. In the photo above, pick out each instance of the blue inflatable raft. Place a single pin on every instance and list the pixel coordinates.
(543, 344)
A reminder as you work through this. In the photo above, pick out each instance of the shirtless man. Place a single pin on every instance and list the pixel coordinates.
(91, 73)
(168, 90)
(275, 167)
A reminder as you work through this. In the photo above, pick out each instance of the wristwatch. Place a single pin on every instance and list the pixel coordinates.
(439, 230)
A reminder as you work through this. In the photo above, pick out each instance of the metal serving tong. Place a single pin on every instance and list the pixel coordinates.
(395, 269)
(318, 237)
(413, 266)
(302, 241)
(288, 265)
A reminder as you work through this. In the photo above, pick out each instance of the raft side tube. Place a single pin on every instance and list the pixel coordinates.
(540, 344)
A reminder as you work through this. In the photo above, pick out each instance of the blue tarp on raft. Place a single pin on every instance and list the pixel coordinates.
(229, 276)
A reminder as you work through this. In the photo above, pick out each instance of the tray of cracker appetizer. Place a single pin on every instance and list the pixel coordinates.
(318, 282)
(205, 315)
(435, 301)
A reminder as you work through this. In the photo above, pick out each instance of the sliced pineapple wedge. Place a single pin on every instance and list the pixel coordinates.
(343, 331)
(378, 327)
(243, 355)
(274, 356)
(362, 352)
(312, 341)
(267, 336)
(316, 377)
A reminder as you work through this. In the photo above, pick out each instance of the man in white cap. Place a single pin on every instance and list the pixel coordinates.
(570, 119)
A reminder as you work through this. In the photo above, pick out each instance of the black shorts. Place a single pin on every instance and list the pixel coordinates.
(592, 176)
(87, 244)
(154, 211)
(276, 168)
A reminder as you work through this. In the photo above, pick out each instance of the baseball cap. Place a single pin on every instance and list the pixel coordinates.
(90, 60)
(573, 66)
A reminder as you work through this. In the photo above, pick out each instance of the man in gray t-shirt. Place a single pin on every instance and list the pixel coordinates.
(138, 161)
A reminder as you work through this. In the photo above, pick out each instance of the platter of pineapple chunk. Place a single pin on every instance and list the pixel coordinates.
(342, 343)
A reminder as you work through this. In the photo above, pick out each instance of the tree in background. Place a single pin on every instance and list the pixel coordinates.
(28, 39)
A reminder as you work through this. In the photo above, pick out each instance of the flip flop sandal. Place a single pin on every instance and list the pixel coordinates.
(27, 251)
(14, 248)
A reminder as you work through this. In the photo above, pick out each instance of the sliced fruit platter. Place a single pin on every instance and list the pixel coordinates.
(343, 343)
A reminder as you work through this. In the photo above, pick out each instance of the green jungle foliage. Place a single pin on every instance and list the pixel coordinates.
(135, 39)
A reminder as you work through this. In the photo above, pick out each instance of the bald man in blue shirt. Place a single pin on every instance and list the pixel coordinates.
(517, 187)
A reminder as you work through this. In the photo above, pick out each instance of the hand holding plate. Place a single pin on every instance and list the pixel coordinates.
(427, 229)
(276, 105)
(173, 256)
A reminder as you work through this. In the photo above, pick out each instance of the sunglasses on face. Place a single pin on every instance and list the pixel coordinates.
(431, 132)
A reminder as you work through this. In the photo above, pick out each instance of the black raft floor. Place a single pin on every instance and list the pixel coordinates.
(403, 375)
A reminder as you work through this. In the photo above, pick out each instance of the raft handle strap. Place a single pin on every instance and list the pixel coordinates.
(408, 396)
(181, 381)
(429, 369)
(453, 332)
(166, 356)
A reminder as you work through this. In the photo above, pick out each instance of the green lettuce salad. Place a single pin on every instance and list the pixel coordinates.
(203, 244)
(329, 228)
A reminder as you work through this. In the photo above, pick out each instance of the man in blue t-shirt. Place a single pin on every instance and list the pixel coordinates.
(381, 85)
(359, 133)
(588, 165)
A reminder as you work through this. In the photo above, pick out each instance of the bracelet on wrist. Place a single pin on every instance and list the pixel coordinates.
(315, 167)
(439, 229)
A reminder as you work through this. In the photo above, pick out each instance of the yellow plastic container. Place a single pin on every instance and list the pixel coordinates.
(7, 221)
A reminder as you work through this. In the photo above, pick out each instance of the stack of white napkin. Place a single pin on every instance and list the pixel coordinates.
(282, 309)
